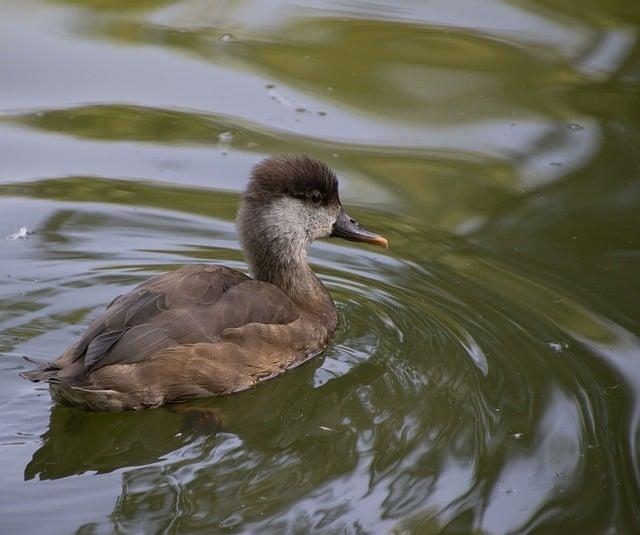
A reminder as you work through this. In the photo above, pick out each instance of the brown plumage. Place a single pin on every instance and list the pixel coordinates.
(208, 330)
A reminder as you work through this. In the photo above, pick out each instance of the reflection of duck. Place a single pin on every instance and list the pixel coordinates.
(78, 441)
(209, 330)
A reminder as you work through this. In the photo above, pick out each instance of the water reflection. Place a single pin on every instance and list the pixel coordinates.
(423, 426)
(592, 222)
(76, 442)
(485, 377)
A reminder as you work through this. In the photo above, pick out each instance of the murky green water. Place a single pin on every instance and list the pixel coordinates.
(486, 377)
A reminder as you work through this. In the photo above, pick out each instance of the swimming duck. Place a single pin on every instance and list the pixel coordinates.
(209, 330)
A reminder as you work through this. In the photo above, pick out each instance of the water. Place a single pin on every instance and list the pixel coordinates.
(486, 375)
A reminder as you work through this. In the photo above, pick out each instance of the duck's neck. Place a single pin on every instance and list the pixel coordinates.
(289, 270)
(275, 244)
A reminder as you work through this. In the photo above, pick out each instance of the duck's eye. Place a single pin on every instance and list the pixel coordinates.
(316, 197)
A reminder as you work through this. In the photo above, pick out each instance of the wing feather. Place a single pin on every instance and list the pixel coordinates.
(194, 304)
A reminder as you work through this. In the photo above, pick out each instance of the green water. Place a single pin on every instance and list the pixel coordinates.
(486, 375)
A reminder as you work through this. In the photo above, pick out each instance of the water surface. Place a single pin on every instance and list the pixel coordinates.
(486, 375)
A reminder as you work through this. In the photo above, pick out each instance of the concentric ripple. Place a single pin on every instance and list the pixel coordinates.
(422, 403)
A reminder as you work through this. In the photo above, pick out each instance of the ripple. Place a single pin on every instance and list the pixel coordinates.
(421, 393)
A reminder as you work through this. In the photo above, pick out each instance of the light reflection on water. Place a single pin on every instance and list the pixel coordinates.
(485, 375)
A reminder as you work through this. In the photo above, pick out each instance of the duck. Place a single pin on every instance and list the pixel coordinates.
(208, 330)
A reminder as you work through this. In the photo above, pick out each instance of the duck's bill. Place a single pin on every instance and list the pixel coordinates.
(348, 228)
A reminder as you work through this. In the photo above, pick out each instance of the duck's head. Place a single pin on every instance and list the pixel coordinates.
(290, 202)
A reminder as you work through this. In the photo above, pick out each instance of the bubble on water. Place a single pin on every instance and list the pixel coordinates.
(225, 137)
(226, 38)
(575, 127)
(21, 234)
(281, 99)
(558, 347)
(298, 107)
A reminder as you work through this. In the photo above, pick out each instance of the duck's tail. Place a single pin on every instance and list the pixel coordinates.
(43, 373)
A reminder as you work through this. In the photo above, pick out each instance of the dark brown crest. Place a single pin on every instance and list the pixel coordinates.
(295, 176)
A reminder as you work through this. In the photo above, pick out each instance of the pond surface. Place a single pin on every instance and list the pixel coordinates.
(486, 375)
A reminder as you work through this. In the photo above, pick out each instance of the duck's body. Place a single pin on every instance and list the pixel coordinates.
(196, 332)
(208, 330)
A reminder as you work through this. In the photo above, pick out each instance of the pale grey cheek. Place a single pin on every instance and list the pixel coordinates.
(294, 220)
(287, 217)
(321, 222)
